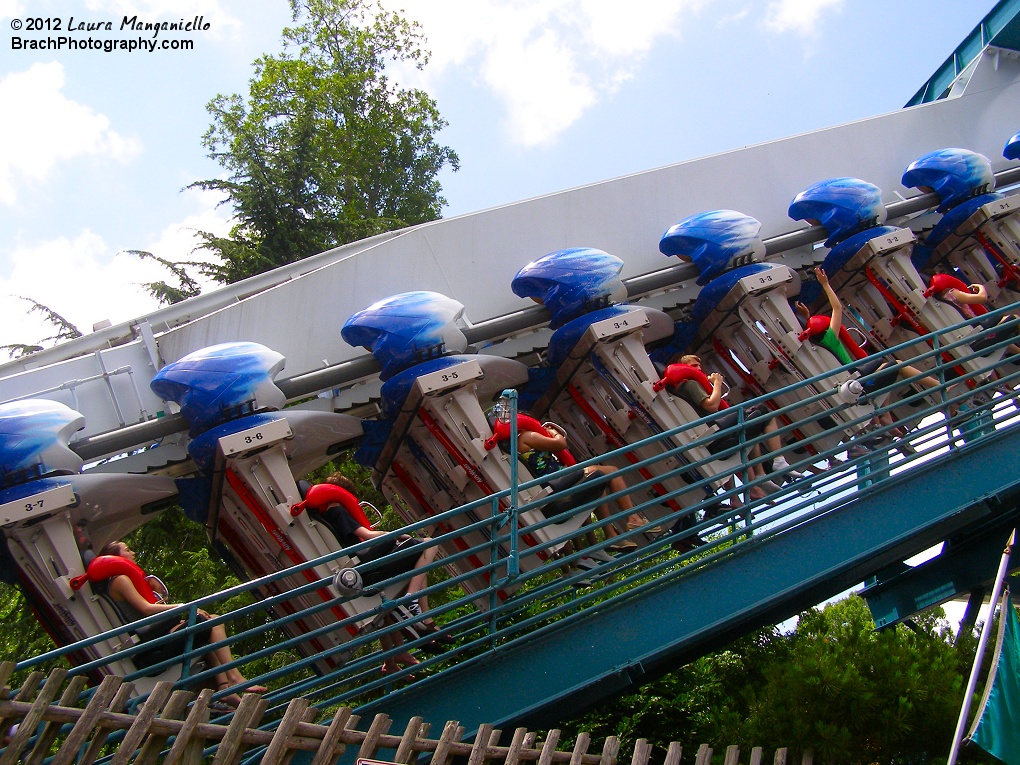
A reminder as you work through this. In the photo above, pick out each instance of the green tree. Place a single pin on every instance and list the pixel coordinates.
(856, 695)
(326, 149)
(65, 330)
(834, 685)
(165, 293)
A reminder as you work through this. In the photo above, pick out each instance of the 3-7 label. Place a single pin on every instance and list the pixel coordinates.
(38, 503)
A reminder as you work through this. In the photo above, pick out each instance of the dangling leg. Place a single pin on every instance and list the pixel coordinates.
(394, 662)
(616, 483)
(222, 656)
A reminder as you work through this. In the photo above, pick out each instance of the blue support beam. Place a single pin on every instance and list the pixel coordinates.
(1000, 27)
(964, 565)
(563, 669)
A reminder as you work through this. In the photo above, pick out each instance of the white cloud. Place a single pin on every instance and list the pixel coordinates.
(800, 16)
(548, 61)
(49, 128)
(734, 18)
(10, 9)
(85, 280)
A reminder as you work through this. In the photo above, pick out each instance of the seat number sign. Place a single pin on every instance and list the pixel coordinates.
(620, 325)
(450, 377)
(35, 504)
(1001, 207)
(252, 438)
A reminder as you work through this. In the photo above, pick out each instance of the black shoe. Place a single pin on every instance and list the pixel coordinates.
(688, 543)
(425, 629)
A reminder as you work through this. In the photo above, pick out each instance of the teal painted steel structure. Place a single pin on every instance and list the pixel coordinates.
(547, 648)
(1000, 28)
(554, 674)
(966, 564)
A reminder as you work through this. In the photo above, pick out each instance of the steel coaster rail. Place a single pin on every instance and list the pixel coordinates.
(528, 318)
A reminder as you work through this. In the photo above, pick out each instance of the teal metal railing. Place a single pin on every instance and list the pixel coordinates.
(524, 601)
(998, 27)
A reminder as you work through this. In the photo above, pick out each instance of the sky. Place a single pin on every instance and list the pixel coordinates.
(97, 148)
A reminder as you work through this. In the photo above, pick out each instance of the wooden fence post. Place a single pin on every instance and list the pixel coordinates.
(580, 747)
(247, 715)
(449, 735)
(406, 752)
(26, 729)
(175, 708)
(370, 746)
(513, 752)
(551, 740)
(279, 750)
(610, 749)
(52, 729)
(157, 720)
(331, 746)
(482, 737)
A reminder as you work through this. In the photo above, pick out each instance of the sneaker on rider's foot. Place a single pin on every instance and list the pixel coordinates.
(905, 448)
(600, 555)
(582, 582)
(623, 546)
(782, 468)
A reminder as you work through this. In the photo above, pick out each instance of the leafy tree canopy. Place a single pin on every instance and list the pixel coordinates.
(834, 685)
(65, 330)
(165, 293)
(325, 149)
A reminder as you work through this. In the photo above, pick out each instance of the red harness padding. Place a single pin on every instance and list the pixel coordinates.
(107, 567)
(525, 422)
(943, 282)
(681, 373)
(322, 495)
(817, 325)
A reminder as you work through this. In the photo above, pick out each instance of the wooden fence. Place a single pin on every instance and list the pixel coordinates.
(145, 736)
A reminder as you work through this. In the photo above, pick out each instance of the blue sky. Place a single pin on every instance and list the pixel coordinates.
(541, 95)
